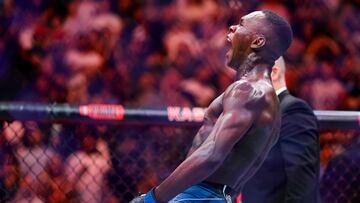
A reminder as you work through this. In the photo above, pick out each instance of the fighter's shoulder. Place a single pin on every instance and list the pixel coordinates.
(249, 91)
(241, 88)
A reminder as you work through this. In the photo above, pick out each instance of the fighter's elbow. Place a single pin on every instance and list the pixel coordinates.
(213, 161)
(208, 156)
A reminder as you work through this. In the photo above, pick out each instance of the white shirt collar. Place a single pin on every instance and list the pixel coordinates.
(279, 91)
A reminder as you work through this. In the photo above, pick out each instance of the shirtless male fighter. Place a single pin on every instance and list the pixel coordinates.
(240, 126)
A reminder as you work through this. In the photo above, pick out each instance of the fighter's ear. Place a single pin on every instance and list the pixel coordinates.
(258, 42)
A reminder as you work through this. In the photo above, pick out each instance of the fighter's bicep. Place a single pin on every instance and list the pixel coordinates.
(228, 130)
(233, 123)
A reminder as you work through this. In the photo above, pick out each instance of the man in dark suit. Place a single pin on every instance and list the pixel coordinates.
(290, 173)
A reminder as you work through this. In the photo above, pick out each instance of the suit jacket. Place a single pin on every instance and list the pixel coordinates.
(290, 173)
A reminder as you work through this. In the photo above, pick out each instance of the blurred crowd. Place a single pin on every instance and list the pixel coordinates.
(84, 163)
(147, 53)
(35, 169)
(160, 52)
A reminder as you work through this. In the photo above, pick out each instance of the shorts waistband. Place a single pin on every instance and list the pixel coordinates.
(223, 189)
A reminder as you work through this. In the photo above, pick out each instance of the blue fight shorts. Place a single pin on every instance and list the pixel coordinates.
(201, 192)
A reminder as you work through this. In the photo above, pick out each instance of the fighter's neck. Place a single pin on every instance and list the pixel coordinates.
(254, 66)
(253, 72)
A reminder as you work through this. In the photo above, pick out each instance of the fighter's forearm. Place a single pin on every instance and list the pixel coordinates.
(196, 168)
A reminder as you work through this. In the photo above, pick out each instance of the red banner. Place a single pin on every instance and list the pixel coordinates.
(102, 111)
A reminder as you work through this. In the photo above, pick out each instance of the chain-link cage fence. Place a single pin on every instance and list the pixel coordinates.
(86, 163)
(340, 166)
(83, 162)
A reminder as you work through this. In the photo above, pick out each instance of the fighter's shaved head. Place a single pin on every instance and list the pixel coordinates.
(278, 34)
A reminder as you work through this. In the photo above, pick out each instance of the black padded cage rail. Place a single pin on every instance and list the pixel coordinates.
(121, 115)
